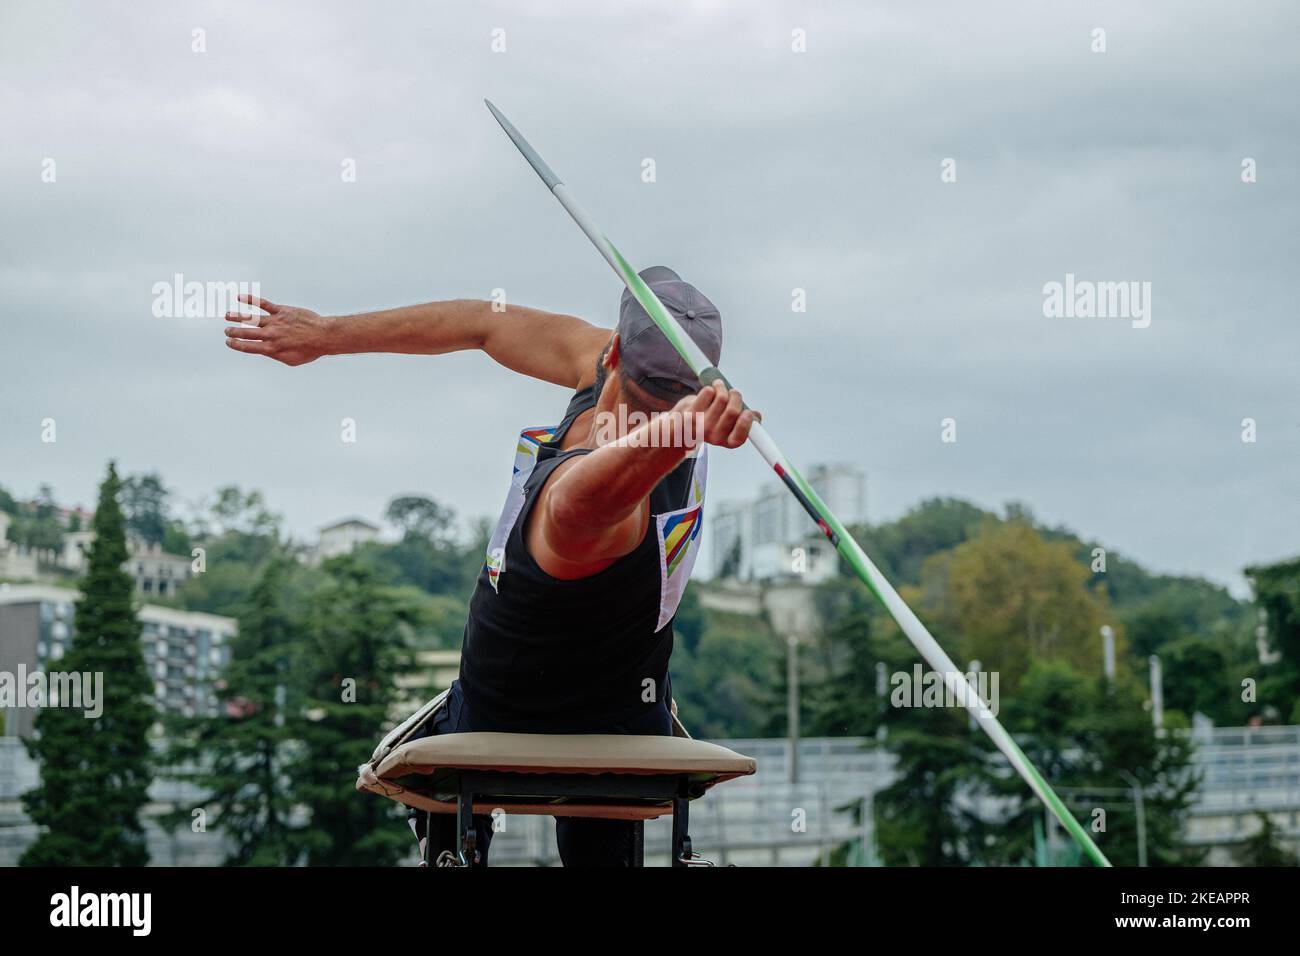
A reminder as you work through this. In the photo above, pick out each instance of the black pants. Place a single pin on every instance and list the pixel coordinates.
(582, 842)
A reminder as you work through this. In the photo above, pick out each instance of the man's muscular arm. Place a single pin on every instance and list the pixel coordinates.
(554, 348)
(595, 508)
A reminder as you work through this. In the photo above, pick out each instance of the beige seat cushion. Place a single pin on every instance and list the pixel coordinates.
(564, 753)
(441, 756)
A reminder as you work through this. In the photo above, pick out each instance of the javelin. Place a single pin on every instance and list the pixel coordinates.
(839, 537)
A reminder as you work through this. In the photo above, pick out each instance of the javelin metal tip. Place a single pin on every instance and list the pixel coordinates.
(530, 154)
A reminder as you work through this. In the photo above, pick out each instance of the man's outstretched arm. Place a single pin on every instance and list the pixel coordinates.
(554, 348)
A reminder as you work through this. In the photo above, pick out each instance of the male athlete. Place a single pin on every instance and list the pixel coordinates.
(570, 623)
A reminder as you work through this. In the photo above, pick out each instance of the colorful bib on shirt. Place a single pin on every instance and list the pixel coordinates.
(679, 540)
(530, 442)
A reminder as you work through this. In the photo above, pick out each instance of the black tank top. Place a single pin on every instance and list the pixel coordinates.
(544, 655)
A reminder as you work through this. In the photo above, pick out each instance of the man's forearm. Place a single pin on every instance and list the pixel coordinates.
(546, 345)
(431, 328)
(606, 487)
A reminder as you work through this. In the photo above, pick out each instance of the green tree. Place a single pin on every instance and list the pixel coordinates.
(145, 504)
(437, 568)
(1043, 716)
(242, 513)
(1277, 594)
(428, 556)
(176, 539)
(690, 621)
(901, 547)
(924, 818)
(844, 702)
(1264, 847)
(1175, 608)
(353, 649)
(239, 756)
(1199, 677)
(721, 674)
(1015, 598)
(1117, 733)
(1092, 741)
(422, 518)
(95, 773)
(239, 537)
(38, 525)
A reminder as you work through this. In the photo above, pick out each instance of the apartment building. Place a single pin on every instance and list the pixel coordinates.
(183, 650)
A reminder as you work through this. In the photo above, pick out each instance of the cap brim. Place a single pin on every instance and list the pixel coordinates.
(648, 385)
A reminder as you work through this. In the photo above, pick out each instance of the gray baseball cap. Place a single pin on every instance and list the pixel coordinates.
(648, 358)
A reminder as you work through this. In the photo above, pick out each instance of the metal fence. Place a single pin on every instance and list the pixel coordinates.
(765, 819)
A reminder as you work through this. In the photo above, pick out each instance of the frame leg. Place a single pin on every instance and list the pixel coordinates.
(466, 836)
(638, 843)
(681, 824)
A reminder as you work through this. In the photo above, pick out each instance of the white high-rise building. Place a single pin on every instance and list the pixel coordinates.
(773, 537)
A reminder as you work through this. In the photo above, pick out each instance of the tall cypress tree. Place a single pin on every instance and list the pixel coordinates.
(95, 773)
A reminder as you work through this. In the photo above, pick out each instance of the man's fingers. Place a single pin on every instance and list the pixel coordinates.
(724, 414)
(244, 332)
(266, 305)
(705, 411)
(740, 434)
(704, 398)
(244, 345)
(241, 317)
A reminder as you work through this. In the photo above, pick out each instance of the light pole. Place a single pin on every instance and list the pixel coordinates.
(1140, 807)
(1157, 694)
(792, 702)
(882, 692)
(1108, 652)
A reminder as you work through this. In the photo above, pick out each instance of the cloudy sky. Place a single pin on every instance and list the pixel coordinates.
(775, 170)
